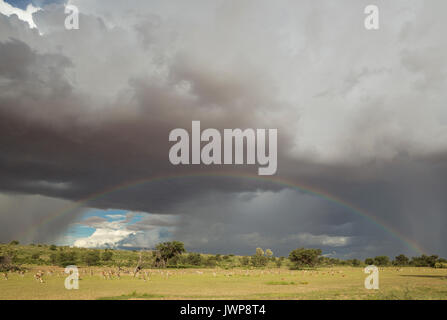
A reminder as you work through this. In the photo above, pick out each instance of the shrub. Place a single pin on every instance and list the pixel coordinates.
(211, 261)
(354, 262)
(64, 259)
(278, 263)
(424, 261)
(441, 265)
(245, 261)
(194, 259)
(259, 261)
(53, 259)
(91, 258)
(107, 255)
(381, 261)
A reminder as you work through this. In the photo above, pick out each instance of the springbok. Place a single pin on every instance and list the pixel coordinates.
(39, 276)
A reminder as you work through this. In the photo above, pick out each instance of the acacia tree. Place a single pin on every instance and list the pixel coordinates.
(424, 261)
(401, 260)
(259, 259)
(381, 261)
(168, 250)
(305, 257)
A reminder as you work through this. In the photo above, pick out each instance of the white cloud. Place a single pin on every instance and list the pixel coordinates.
(107, 233)
(24, 15)
(104, 237)
(120, 232)
(321, 240)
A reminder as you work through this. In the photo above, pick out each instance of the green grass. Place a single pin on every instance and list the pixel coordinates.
(323, 283)
(133, 295)
(279, 283)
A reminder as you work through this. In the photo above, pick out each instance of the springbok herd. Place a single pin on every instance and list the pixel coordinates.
(146, 274)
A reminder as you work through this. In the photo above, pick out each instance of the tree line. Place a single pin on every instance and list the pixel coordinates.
(173, 254)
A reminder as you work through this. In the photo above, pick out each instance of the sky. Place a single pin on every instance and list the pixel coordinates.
(85, 117)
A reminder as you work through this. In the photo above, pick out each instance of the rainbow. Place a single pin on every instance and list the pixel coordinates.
(272, 179)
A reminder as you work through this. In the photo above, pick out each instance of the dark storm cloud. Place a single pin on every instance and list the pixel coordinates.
(30, 218)
(149, 222)
(82, 111)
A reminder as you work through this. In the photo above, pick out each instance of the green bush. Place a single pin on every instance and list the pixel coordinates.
(278, 263)
(441, 265)
(64, 259)
(401, 260)
(304, 257)
(211, 261)
(424, 261)
(92, 258)
(194, 259)
(35, 256)
(259, 261)
(53, 259)
(107, 255)
(381, 261)
(245, 261)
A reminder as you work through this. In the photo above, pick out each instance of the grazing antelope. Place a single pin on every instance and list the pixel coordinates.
(5, 275)
(39, 276)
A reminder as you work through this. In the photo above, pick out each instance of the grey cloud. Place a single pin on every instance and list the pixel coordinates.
(92, 108)
(34, 218)
(152, 221)
(93, 221)
(322, 240)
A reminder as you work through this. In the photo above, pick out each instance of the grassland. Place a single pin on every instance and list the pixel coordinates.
(237, 283)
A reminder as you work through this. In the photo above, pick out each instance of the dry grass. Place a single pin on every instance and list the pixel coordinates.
(324, 283)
